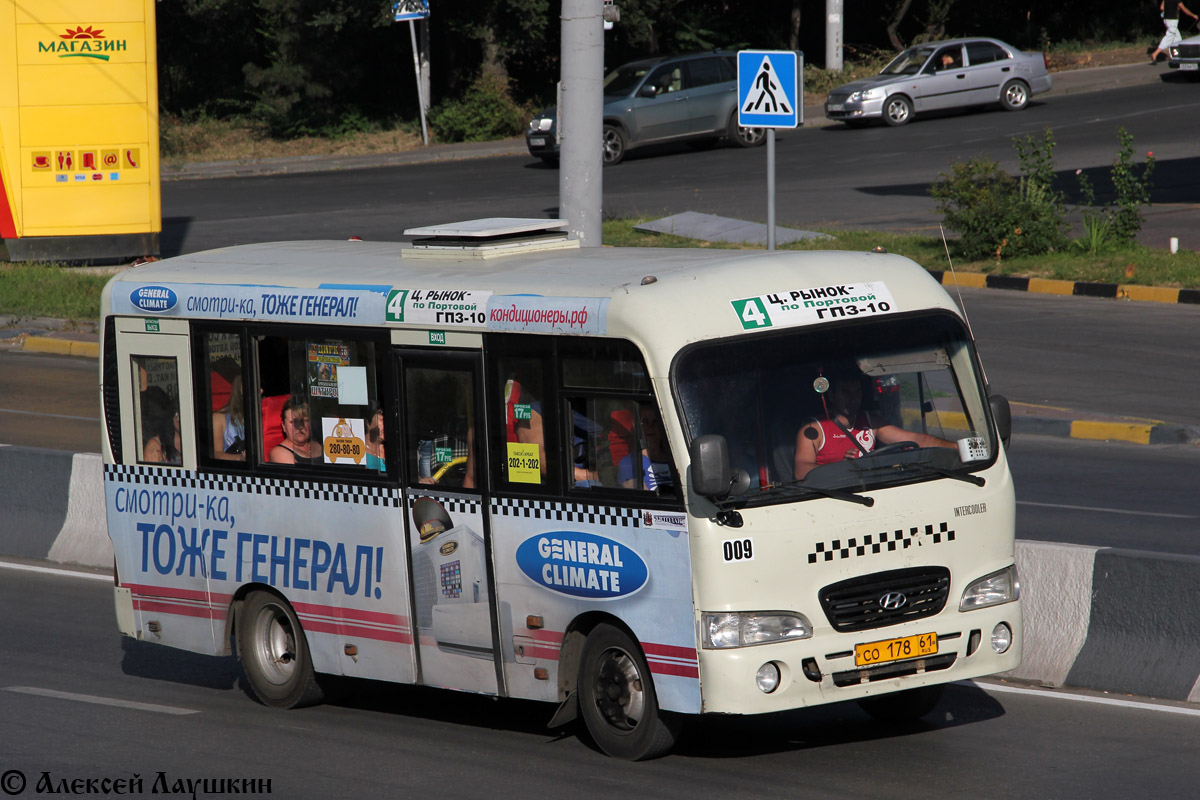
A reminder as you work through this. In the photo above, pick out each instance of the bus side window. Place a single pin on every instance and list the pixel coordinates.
(441, 417)
(319, 398)
(156, 410)
(525, 418)
(225, 396)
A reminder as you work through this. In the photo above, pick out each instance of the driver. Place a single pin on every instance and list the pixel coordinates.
(847, 431)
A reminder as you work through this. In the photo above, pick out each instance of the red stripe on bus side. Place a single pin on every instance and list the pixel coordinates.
(670, 668)
(669, 651)
(179, 609)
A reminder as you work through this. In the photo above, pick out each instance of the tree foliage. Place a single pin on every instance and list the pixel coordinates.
(299, 66)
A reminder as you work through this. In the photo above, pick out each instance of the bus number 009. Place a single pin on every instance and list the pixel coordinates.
(738, 550)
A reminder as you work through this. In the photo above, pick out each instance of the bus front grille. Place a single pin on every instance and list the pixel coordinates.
(885, 598)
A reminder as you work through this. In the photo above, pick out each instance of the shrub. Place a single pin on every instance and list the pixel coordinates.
(485, 112)
(1000, 216)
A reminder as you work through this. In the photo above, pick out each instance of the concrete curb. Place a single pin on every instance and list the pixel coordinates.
(1111, 291)
(1094, 618)
(1110, 620)
(63, 347)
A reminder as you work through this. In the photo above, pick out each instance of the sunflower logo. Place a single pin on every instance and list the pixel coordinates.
(81, 32)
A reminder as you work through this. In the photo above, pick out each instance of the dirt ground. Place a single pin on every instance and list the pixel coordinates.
(1058, 62)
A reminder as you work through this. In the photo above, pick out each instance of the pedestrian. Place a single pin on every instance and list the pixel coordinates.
(1169, 10)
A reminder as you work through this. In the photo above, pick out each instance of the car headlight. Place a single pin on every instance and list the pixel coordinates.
(540, 124)
(866, 94)
(992, 590)
(1174, 51)
(743, 629)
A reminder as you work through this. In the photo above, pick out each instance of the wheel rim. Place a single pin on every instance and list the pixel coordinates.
(898, 110)
(274, 645)
(751, 136)
(1015, 95)
(612, 145)
(620, 695)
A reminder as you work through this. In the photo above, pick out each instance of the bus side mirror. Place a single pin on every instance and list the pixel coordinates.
(711, 474)
(1002, 413)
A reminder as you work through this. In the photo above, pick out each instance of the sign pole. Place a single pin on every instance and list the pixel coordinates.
(769, 97)
(770, 188)
(412, 32)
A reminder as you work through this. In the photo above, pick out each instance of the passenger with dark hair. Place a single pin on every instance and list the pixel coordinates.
(160, 427)
(298, 445)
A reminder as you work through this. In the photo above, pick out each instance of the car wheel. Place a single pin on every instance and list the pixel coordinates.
(897, 110)
(617, 699)
(274, 653)
(745, 137)
(615, 145)
(1014, 96)
(549, 161)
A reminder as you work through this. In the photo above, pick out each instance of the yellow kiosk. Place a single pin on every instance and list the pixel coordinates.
(79, 171)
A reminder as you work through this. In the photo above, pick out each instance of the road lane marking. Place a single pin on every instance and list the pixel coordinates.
(1085, 698)
(45, 414)
(101, 701)
(1107, 510)
(70, 573)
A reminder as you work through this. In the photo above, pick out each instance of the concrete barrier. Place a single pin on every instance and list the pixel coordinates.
(1096, 618)
(53, 506)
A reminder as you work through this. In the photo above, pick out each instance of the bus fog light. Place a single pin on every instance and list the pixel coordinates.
(1001, 638)
(768, 677)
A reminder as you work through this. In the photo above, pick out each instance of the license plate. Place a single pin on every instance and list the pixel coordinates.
(834, 107)
(1189, 66)
(537, 141)
(923, 644)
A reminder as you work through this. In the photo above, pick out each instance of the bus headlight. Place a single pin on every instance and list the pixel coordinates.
(992, 590)
(742, 629)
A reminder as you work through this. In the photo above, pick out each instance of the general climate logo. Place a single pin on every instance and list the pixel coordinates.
(83, 42)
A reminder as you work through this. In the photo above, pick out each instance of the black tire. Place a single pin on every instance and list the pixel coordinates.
(1014, 95)
(897, 110)
(550, 161)
(744, 137)
(615, 144)
(617, 698)
(903, 708)
(274, 653)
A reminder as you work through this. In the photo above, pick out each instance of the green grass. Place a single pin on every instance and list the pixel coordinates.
(47, 290)
(1135, 265)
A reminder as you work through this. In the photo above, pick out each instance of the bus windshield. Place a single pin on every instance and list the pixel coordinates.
(846, 408)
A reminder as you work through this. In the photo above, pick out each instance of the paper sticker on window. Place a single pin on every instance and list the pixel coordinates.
(343, 440)
(524, 463)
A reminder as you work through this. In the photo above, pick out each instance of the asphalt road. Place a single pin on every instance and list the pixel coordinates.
(78, 702)
(829, 177)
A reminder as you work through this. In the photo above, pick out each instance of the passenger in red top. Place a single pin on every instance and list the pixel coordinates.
(848, 431)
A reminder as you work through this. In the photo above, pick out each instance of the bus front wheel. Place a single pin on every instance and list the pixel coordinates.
(617, 698)
(274, 653)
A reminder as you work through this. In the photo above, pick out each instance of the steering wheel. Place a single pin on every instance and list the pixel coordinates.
(892, 449)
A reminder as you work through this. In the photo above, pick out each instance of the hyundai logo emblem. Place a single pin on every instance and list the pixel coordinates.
(893, 601)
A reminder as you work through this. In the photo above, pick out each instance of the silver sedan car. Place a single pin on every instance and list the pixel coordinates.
(941, 75)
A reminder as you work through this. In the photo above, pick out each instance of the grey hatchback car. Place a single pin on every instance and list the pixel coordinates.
(670, 98)
(939, 75)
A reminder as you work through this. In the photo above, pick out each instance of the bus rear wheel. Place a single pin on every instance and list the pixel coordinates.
(617, 698)
(274, 653)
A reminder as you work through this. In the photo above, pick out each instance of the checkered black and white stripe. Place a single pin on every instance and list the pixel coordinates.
(453, 505)
(889, 541)
(566, 512)
(167, 477)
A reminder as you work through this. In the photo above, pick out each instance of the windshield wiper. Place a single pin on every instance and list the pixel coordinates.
(945, 473)
(836, 494)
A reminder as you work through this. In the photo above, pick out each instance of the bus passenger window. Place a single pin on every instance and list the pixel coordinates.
(441, 419)
(620, 444)
(526, 460)
(156, 418)
(225, 398)
(319, 398)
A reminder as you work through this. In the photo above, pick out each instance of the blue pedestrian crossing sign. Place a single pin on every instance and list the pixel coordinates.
(767, 89)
